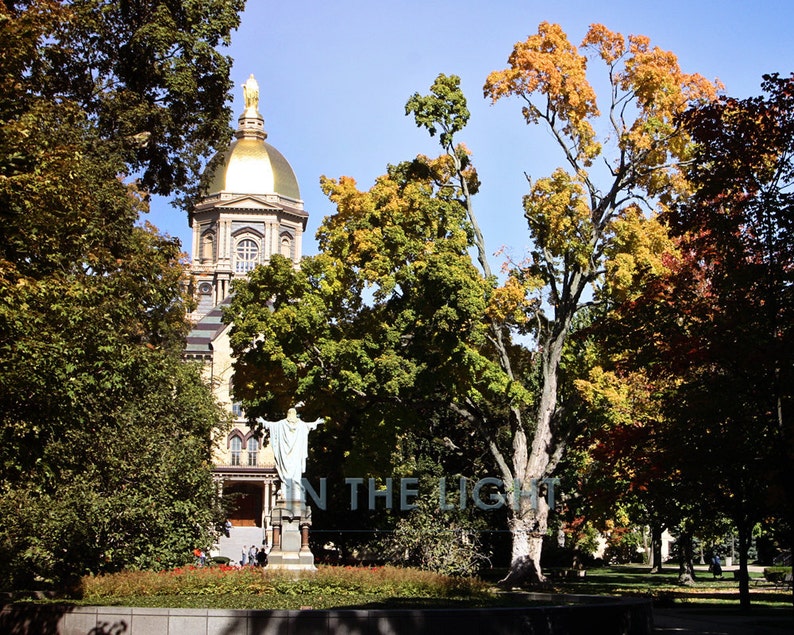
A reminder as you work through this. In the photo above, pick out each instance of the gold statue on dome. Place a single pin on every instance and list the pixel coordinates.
(251, 95)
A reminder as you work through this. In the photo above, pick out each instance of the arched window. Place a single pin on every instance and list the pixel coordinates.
(246, 255)
(286, 246)
(237, 407)
(236, 447)
(253, 449)
(208, 247)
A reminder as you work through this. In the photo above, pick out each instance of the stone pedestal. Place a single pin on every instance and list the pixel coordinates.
(290, 548)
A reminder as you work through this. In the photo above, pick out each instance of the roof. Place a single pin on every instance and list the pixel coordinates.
(206, 331)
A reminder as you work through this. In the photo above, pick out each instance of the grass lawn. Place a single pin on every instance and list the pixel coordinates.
(255, 588)
(713, 603)
(705, 595)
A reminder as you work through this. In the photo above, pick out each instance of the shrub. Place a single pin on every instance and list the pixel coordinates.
(327, 581)
(423, 538)
(776, 574)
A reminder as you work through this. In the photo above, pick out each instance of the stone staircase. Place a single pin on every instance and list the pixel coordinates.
(232, 546)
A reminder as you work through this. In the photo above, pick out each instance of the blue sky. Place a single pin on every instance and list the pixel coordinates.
(334, 76)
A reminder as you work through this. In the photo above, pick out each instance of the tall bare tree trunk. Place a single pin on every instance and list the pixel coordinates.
(530, 465)
(745, 533)
(530, 524)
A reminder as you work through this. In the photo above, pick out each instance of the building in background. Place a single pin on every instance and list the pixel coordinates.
(252, 209)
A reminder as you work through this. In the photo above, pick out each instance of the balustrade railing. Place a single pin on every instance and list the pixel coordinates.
(242, 459)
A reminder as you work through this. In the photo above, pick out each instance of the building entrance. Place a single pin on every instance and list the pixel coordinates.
(247, 501)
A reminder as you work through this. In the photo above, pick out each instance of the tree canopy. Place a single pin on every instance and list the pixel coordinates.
(592, 240)
(148, 75)
(105, 433)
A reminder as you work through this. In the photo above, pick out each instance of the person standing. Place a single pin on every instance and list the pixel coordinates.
(244, 558)
(261, 555)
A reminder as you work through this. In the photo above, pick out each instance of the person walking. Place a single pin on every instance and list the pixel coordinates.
(716, 568)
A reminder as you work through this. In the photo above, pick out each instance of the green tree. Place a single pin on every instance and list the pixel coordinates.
(149, 75)
(590, 241)
(105, 455)
(372, 332)
(105, 434)
(379, 311)
(129, 486)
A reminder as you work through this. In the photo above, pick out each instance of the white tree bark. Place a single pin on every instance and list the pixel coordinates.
(527, 525)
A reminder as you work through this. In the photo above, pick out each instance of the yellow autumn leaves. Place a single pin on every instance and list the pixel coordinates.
(547, 63)
(648, 91)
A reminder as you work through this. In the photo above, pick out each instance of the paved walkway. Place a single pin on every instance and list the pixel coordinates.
(232, 546)
(686, 621)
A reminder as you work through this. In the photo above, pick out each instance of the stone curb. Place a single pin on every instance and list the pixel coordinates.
(568, 615)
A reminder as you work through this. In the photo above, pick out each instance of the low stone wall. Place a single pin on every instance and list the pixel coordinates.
(569, 615)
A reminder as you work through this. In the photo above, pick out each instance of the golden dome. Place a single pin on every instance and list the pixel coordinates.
(250, 165)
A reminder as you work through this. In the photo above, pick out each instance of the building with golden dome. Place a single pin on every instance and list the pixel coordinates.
(251, 210)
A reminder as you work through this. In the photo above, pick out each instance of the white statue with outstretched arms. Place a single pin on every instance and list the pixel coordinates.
(289, 439)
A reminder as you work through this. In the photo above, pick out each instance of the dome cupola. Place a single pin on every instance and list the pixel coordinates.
(251, 165)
